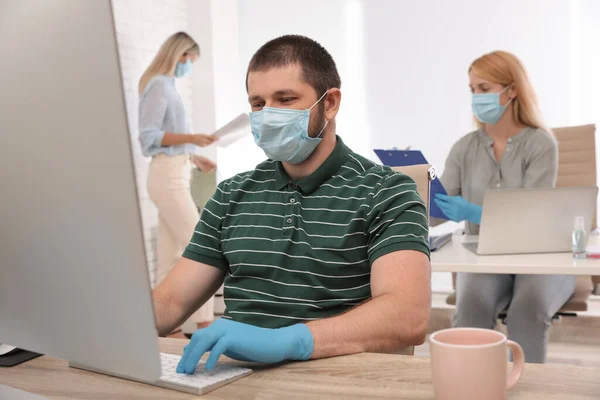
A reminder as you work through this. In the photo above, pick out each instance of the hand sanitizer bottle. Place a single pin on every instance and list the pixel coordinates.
(579, 238)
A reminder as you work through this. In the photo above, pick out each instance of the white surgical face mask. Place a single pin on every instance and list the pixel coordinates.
(282, 133)
(183, 69)
(487, 108)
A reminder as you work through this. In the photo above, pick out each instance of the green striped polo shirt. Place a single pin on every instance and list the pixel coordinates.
(296, 251)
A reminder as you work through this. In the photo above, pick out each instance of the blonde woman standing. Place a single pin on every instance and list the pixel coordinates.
(511, 149)
(166, 137)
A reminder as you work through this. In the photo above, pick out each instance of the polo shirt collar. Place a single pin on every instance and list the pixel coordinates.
(312, 182)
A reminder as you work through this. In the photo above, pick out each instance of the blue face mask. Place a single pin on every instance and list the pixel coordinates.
(283, 133)
(487, 108)
(184, 69)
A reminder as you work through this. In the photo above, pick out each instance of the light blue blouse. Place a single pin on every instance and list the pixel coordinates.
(161, 110)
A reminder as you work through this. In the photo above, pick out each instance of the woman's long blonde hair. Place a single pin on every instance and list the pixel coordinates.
(167, 57)
(506, 69)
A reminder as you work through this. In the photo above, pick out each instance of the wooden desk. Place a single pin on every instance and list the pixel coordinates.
(453, 257)
(359, 376)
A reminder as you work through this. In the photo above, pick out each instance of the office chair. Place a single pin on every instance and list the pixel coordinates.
(422, 175)
(203, 186)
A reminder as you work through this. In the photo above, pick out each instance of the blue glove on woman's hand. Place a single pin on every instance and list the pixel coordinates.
(458, 209)
(246, 343)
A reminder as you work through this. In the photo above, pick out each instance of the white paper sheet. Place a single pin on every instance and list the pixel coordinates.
(233, 131)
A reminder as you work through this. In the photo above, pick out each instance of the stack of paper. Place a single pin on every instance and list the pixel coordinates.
(233, 131)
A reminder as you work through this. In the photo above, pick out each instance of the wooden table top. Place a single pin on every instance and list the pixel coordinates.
(360, 376)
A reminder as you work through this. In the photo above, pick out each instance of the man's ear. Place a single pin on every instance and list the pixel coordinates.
(332, 100)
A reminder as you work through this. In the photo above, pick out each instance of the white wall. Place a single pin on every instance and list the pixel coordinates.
(228, 90)
(403, 64)
(328, 22)
(142, 26)
(418, 53)
(587, 66)
(203, 76)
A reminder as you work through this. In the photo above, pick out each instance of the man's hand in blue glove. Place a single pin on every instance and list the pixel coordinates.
(246, 343)
(458, 209)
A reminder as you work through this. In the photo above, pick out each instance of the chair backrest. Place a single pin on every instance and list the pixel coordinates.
(203, 187)
(576, 155)
(422, 176)
(577, 161)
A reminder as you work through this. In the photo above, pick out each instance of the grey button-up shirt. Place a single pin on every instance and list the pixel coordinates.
(530, 160)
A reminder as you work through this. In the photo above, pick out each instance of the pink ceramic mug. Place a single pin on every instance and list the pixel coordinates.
(471, 363)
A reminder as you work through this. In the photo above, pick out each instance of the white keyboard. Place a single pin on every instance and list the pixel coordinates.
(202, 381)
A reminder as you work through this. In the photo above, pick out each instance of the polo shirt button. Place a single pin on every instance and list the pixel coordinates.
(292, 200)
(289, 221)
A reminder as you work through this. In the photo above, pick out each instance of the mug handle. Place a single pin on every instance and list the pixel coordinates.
(518, 363)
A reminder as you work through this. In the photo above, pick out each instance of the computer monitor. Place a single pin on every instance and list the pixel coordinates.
(73, 272)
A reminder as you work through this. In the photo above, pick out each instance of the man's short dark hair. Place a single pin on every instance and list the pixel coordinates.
(318, 68)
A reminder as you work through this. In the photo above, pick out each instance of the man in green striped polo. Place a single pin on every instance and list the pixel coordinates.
(321, 251)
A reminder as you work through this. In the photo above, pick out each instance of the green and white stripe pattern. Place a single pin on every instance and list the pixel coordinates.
(302, 250)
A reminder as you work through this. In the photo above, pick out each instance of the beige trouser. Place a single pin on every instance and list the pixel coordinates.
(169, 189)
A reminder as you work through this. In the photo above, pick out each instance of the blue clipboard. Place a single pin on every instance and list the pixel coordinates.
(404, 158)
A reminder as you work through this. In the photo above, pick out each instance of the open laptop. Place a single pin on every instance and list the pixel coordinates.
(73, 273)
(521, 221)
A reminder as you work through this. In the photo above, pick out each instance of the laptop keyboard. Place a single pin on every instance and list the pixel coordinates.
(202, 381)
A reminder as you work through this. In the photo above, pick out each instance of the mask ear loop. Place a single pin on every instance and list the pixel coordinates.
(320, 98)
(322, 130)
(504, 90)
(326, 121)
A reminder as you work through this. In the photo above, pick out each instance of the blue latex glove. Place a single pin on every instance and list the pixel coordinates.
(246, 343)
(458, 209)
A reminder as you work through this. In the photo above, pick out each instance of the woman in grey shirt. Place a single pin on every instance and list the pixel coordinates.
(511, 149)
